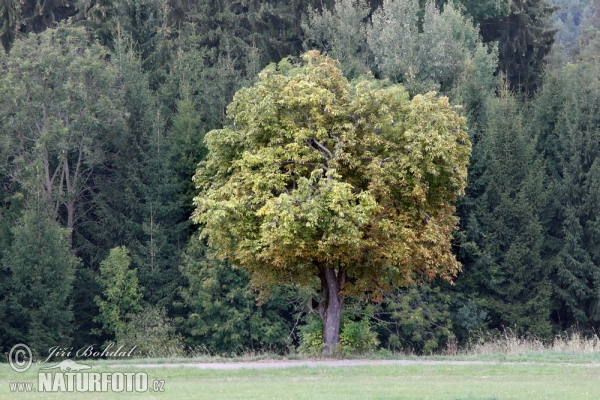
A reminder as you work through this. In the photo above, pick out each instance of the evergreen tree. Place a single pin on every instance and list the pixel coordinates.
(137, 199)
(486, 9)
(188, 149)
(502, 236)
(224, 316)
(39, 15)
(10, 16)
(38, 288)
(572, 141)
(524, 40)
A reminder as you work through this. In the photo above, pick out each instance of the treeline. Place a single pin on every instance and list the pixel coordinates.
(103, 109)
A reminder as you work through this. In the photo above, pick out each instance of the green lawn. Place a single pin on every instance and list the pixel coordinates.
(498, 381)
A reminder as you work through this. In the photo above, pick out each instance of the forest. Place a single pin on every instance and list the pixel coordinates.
(109, 109)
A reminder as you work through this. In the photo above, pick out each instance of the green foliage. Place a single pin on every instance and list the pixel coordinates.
(356, 337)
(569, 21)
(38, 286)
(568, 110)
(60, 113)
(152, 334)
(311, 336)
(419, 320)
(137, 201)
(428, 54)
(275, 198)
(589, 41)
(317, 177)
(340, 32)
(437, 49)
(121, 296)
(225, 317)
(524, 40)
(39, 15)
(187, 135)
(505, 229)
(142, 21)
(10, 17)
(486, 9)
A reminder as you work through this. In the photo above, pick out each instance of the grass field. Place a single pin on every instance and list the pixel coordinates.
(546, 375)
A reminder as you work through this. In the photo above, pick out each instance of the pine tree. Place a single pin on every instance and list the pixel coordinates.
(39, 15)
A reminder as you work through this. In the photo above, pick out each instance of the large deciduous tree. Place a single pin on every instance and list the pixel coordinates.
(346, 187)
(60, 113)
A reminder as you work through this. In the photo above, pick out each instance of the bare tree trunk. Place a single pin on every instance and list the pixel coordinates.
(330, 308)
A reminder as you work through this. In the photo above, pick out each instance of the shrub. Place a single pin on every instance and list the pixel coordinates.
(355, 336)
(152, 333)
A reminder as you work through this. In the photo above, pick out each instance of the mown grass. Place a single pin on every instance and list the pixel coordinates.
(422, 381)
(514, 368)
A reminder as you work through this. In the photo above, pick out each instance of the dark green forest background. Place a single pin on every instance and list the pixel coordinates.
(103, 109)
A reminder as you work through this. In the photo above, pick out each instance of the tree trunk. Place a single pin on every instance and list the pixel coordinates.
(330, 308)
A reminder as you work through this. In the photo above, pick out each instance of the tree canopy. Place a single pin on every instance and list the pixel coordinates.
(319, 178)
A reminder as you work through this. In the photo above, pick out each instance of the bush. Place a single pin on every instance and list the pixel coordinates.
(355, 336)
(420, 320)
(152, 333)
(311, 336)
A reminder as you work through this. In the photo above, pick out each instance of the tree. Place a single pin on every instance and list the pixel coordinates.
(589, 42)
(435, 52)
(10, 16)
(342, 33)
(224, 316)
(39, 15)
(569, 21)
(121, 297)
(137, 202)
(568, 111)
(319, 181)
(60, 113)
(524, 40)
(38, 288)
(509, 216)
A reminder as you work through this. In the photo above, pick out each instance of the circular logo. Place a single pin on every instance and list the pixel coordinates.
(20, 357)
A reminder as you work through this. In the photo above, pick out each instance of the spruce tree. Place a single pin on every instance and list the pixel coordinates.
(524, 40)
(10, 17)
(573, 149)
(502, 233)
(38, 288)
(226, 315)
(137, 199)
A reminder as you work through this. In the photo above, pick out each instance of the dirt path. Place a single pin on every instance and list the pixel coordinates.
(267, 364)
